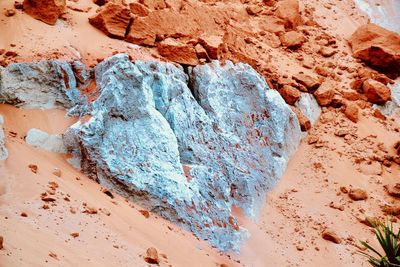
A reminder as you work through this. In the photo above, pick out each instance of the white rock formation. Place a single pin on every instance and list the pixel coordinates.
(308, 105)
(187, 158)
(44, 84)
(3, 149)
(50, 142)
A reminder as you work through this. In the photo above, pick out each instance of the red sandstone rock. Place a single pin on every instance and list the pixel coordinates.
(358, 194)
(324, 94)
(378, 47)
(305, 123)
(139, 9)
(178, 52)
(213, 45)
(112, 19)
(289, 11)
(376, 92)
(47, 11)
(309, 82)
(331, 236)
(292, 39)
(352, 111)
(290, 94)
(152, 256)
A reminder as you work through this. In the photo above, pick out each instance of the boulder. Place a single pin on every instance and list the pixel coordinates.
(324, 94)
(103, 2)
(376, 92)
(45, 84)
(112, 19)
(178, 52)
(3, 149)
(232, 133)
(47, 11)
(378, 47)
(290, 94)
(289, 11)
(292, 39)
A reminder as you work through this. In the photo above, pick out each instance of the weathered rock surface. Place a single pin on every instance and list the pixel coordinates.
(46, 84)
(176, 51)
(324, 94)
(289, 11)
(3, 149)
(233, 137)
(378, 47)
(47, 11)
(51, 142)
(292, 39)
(308, 105)
(112, 19)
(376, 92)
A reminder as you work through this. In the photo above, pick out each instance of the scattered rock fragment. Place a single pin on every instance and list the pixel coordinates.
(18, 5)
(331, 236)
(145, 213)
(47, 11)
(290, 94)
(358, 194)
(289, 11)
(376, 92)
(57, 172)
(393, 190)
(352, 111)
(152, 256)
(75, 234)
(305, 123)
(324, 94)
(292, 39)
(33, 167)
(9, 12)
(309, 82)
(24, 214)
(213, 44)
(176, 51)
(393, 210)
(112, 19)
(90, 210)
(327, 51)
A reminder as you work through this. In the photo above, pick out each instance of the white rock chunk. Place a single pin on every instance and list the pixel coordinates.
(308, 105)
(50, 142)
(3, 149)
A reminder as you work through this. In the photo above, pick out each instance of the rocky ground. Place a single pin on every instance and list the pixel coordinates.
(337, 73)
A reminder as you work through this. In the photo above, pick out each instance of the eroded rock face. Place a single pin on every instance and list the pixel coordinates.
(3, 149)
(45, 84)
(47, 11)
(188, 158)
(378, 47)
(113, 19)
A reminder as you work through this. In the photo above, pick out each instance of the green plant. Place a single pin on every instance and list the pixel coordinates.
(389, 241)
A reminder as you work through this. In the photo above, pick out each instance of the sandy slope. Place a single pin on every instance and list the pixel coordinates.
(116, 240)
